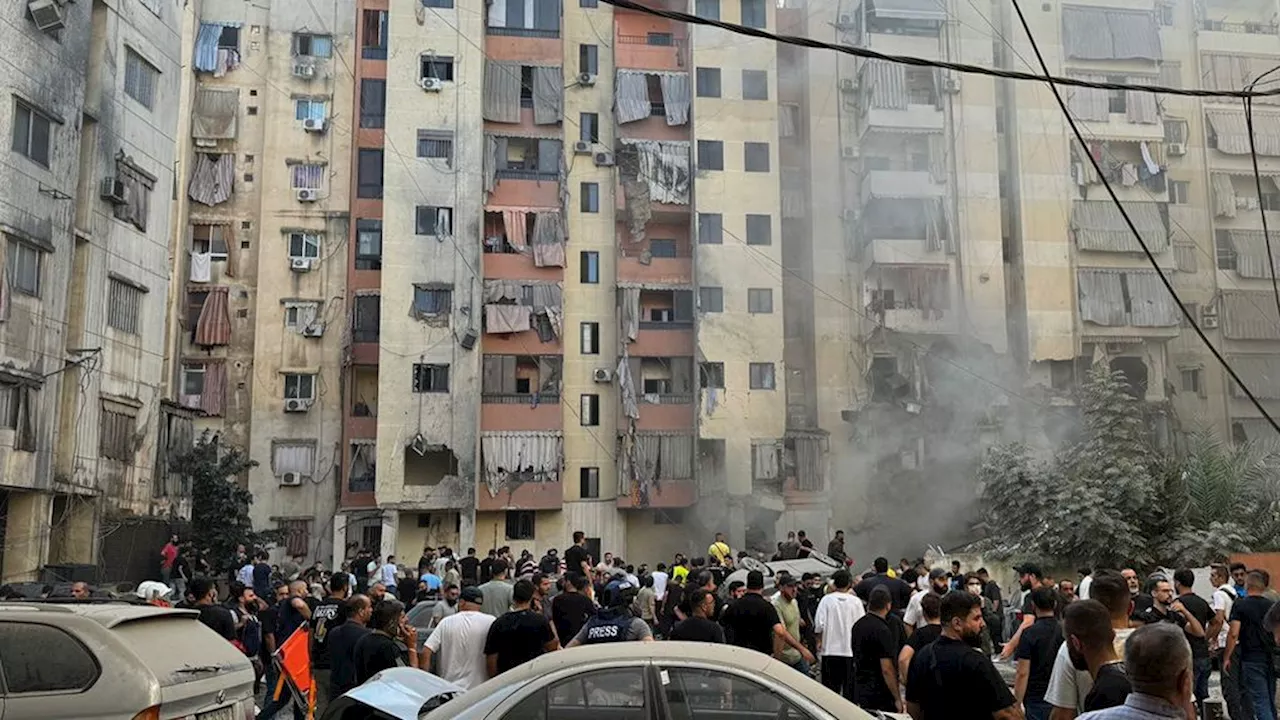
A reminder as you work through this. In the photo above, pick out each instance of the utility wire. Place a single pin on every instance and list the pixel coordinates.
(922, 62)
(1191, 320)
(1257, 181)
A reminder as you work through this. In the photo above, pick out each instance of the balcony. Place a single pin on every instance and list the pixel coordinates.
(529, 257)
(651, 51)
(520, 471)
(362, 474)
(669, 456)
(547, 495)
(916, 117)
(520, 393)
(901, 184)
(912, 299)
(914, 320)
(882, 251)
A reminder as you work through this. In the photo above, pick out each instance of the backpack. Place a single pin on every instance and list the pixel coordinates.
(605, 628)
(249, 641)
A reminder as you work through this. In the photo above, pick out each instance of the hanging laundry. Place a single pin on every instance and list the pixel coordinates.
(1128, 175)
(1152, 167)
(201, 267)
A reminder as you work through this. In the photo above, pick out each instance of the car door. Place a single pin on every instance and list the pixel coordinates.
(705, 693)
(46, 672)
(617, 693)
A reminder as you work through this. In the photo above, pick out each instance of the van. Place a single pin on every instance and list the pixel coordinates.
(117, 661)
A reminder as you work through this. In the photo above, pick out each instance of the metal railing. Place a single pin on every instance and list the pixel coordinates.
(1244, 28)
(653, 40)
(666, 325)
(522, 32)
(519, 398)
(524, 174)
(666, 398)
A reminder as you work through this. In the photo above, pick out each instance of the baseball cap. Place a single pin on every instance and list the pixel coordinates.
(472, 594)
(785, 580)
(1028, 569)
(755, 580)
(937, 573)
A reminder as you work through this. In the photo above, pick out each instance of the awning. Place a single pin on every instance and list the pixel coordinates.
(520, 457)
(908, 9)
(1099, 226)
(1095, 33)
(1249, 315)
(1251, 253)
(1260, 372)
(1233, 134)
(213, 116)
(1103, 293)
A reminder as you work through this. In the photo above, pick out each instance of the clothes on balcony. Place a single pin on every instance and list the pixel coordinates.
(503, 290)
(1128, 174)
(212, 178)
(511, 458)
(1099, 226)
(213, 397)
(503, 319)
(494, 156)
(1224, 195)
(1095, 33)
(1148, 161)
(1232, 134)
(208, 57)
(545, 295)
(629, 299)
(201, 267)
(548, 94)
(213, 113)
(514, 224)
(548, 239)
(501, 101)
(627, 387)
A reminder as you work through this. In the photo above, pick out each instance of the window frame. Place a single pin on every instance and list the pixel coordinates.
(589, 483)
(525, 522)
(751, 21)
(307, 240)
(760, 383)
(370, 188)
(589, 267)
(311, 103)
(369, 119)
(1179, 192)
(427, 378)
(310, 39)
(761, 75)
(757, 223)
(435, 210)
(713, 234)
(589, 409)
(711, 371)
(589, 338)
(589, 127)
(297, 380)
(365, 261)
(191, 370)
(712, 301)
(757, 298)
(713, 82)
(429, 139)
(589, 58)
(751, 150)
(710, 155)
(15, 250)
(27, 150)
(589, 197)
(135, 63)
(116, 445)
(437, 66)
(18, 694)
(124, 306)
(707, 9)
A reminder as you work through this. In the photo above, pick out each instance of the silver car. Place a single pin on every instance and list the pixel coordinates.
(651, 681)
(117, 661)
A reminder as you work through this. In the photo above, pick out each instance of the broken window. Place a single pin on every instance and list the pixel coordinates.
(209, 240)
(428, 378)
(529, 159)
(886, 384)
(711, 375)
(428, 467)
(520, 378)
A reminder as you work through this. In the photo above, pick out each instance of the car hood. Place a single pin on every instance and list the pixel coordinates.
(401, 692)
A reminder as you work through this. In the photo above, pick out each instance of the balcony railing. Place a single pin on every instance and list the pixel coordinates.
(519, 398)
(524, 174)
(363, 335)
(363, 484)
(523, 32)
(666, 324)
(666, 398)
(652, 39)
(1243, 28)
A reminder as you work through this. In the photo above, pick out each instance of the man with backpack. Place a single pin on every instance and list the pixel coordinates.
(243, 605)
(615, 623)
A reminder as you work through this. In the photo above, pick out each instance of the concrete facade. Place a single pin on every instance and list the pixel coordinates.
(91, 91)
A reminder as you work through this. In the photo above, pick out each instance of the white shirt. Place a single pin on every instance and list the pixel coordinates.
(635, 581)
(660, 585)
(1068, 686)
(834, 619)
(389, 575)
(459, 643)
(1082, 592)
(442, 564)
(914, 614)
(246, 575)
(1223, 598)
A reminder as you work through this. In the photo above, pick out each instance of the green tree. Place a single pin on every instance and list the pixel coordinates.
(220, 507)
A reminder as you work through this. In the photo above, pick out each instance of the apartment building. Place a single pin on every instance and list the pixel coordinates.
(90, 114)
(261, 235)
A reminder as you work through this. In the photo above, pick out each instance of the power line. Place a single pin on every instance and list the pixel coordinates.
(1062, 104)
(922, 62)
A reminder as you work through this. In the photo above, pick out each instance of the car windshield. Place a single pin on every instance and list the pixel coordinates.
(471, 706)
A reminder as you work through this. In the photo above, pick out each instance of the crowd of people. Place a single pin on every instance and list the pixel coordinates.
(908, 638)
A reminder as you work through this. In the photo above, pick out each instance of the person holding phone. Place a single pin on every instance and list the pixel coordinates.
(378, 650)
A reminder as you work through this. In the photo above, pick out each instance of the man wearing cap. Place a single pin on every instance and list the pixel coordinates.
(1030, 577)
(789, 613)
(459, 639)
(914, 616)
(752, 622)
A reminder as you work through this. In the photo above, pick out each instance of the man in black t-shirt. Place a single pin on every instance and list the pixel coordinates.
(899, 591)
(1090, 641)
(469, 568)
(214, 616)
(378, 650)
(1256, 643)
(328, 614)
(342, 641)
(1196, 615)
(575, 556)
(486, 567)
(571, 609)
(752, 622)
(875, 654)
(519, 635)
(699, 627)
(1036, 653)
(931, 610)
(950, 678)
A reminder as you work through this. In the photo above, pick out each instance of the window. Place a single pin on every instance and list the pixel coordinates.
(1175, 131)
(445, 4)
(708, 82)
(921, 87)
(589, 261)
(23, 267)
(373, 35)
(588, 3)
(710, 155)
(711, 299)
(589, 410)
(760, 301)
(308, 45)
(590, 338)
(759, 230)
(366, 318)
(710, 229)
(525, 18)
(300, 315)
(761, 376)
(193, 379)
(124, 306)
(307, 177)
(709, 9)
(699, 694)
(368, 244)
(437, 144)
(754, 14)
(373, 103)
(116, 429)
(432, 300)
(589, 59)
(661, 248)
(589, 127)
(32, 133)
(669, 516)
(304, 246)
(1117, 100)
(755, 156)
(1191, 380)
(711, 375)
(439, 67)
(430, 378)
(590, 193)
(140, 79)
(433, 220)
(589, 483)
(1179, 190)
(1165, 12)
(369, 173)
(520, 524)
(297, 535)
(755, 85)
(40, 659)
(1226, 250)
(310, 109)
(299, 387)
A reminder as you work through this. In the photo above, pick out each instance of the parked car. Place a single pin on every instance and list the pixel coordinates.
(401, 693)
(117, 661)
(651, 681)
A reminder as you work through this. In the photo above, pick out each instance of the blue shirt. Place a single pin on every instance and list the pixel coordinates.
(1137, 707)
(432, 580)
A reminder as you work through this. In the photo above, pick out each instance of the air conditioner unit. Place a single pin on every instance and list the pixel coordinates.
(582, 147)
(297, 405)
(113, 191)
(47, 14)
(290, 479)
(586, 79)
(1176, 149)
(300, 264)
(307, 195)
(468, 339)
(850, 152)
(315, 125)
(848, 85)
(604, 159)
(431, 84)
(602, 375)
(313, 331)
(951, 84)
(1209, 322)
(304, 71)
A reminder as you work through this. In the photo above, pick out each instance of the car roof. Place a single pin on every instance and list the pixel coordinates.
(587, 657)
(109, 615)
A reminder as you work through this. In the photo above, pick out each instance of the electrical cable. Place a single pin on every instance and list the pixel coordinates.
(1062, 104)
(1257, 181)
(922, 62)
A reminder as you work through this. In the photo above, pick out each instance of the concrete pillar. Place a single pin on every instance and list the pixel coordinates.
(26, 536)
(466, 530)
(73, 540)
(339, 540)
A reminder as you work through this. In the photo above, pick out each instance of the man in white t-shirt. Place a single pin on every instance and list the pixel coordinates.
(1068, 686)
(1224, 596)
(833, 625)
(660, 579)
(459, 639)
(914, 616)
